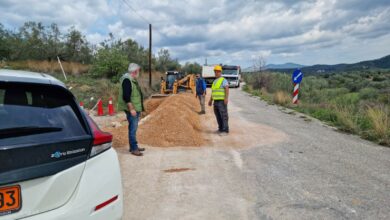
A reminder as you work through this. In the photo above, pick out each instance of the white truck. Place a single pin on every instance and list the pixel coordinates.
(231, 73)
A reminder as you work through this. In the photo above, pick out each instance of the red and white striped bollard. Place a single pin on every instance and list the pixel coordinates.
(295, 93)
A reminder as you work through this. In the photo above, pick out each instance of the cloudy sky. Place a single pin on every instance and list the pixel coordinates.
(226, 31)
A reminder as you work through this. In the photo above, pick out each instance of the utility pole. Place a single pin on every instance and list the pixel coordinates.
(150, 55)
(150, 40)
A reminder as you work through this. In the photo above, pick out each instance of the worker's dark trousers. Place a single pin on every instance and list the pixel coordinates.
(221, 113)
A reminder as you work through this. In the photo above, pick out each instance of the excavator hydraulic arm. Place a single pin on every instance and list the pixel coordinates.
(187, 82)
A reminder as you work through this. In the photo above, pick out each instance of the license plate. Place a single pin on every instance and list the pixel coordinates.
(10, 199)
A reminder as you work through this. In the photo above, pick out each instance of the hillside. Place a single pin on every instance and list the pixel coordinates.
(377, 64)
(284, 66)
(381, 63)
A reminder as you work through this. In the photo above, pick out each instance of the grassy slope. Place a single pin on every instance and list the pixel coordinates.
(82, 85)
(356, 102)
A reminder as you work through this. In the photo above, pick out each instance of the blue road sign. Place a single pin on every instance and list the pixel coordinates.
(297, 76)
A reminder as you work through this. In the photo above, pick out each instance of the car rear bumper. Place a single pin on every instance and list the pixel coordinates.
(100, 182)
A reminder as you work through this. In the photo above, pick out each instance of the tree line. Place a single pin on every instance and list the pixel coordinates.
(35, 41)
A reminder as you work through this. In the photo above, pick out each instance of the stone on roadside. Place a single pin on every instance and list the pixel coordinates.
(116, 124)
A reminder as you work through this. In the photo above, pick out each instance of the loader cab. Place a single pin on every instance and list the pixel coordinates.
(171, 76)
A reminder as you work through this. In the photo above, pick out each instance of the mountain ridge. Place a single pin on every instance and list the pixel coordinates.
(380, 63)
(284, 66)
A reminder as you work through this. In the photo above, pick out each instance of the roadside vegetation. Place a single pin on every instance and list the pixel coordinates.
(355, 102)
(34, 41)
(88, 90)
(93, 70)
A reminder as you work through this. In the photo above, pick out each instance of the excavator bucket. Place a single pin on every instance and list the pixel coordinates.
(159, 95)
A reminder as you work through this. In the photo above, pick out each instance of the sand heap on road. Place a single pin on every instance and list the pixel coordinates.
(169, 122)
(152, 104)
(175, 122)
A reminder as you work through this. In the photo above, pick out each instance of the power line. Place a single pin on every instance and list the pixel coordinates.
(150, 41)
(135, 11)
(155, 29)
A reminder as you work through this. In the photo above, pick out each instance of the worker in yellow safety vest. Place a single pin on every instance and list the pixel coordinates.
(220, 96)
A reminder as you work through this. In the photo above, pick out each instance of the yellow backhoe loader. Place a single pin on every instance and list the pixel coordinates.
(176, 81)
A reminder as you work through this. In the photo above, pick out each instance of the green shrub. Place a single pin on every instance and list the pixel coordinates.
(384, 97)
(261, 80)
(349, 99)
(324, 114)
(334, 92)
(380, 85)
(110, 63)
(311, 89)
(280, 82)
(246, 88)
(368, 93)
(378, 78)
(355, 85)
(256, 92)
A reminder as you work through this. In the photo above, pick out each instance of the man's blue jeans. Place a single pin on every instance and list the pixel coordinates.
(133, 125)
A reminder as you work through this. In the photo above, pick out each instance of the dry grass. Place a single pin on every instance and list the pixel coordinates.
(106, 90)
(281, 98)
(380, 121)
(144, 82)
(346, 118)
(72, 68)
(3, 64)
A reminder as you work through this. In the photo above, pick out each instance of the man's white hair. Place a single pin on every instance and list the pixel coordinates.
(133, 67)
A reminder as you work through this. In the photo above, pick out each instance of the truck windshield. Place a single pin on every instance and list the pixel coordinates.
(229, 72)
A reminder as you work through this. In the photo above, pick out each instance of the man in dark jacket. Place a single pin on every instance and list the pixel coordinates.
(201, 92)
(130, 100)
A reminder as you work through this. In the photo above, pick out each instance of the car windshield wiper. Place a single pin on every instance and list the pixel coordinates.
(26, 130)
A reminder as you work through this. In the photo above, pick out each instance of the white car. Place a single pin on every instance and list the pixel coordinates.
(55, 163)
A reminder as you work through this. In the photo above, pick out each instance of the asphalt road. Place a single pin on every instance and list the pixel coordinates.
(288, 167)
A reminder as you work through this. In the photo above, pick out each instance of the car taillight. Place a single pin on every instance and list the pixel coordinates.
(101, 140)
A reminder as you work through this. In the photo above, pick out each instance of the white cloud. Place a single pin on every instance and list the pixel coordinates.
(95, 38)
(281, 30)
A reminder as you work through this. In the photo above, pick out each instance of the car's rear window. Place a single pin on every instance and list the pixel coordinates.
(37, 113)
